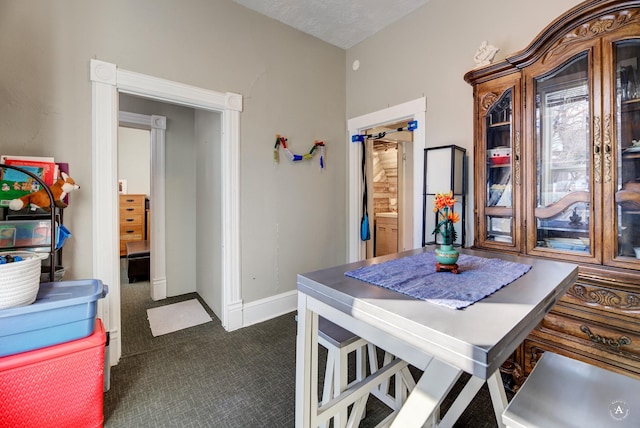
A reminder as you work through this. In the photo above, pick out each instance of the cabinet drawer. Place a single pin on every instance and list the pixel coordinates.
(130, 218)
(619, 299)
(533, 348)
(131, 210)
(601, 336)
(128, 232)
(131, 200)
(387, 221)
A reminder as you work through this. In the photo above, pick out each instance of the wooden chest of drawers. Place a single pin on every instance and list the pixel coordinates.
(596, 321)
(132, 219)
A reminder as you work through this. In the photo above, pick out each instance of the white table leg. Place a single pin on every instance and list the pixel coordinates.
(306, 366)
(498, 396)
(424, 401)
(462, 402)
(470, 390)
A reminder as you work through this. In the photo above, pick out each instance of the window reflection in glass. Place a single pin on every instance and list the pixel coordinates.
(563, 156)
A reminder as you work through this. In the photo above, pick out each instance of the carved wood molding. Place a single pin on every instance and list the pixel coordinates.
(591, 29)
(607, 149)
(517, 157)
(488, 100)
(628, 199)
(562, 204)
(534, 355)
(603, 297)
(515, 370)
(597, 146)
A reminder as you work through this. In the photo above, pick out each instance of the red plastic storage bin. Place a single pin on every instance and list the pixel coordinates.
(56, 386)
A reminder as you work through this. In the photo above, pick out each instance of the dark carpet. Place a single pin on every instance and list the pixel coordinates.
(204, 376)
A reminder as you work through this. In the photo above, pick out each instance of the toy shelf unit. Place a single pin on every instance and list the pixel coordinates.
(445, 169)
(33, 229)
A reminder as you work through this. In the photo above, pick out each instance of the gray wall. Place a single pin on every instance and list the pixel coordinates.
(208, 208)
(292, 216)
(427, 54)
(134, 159)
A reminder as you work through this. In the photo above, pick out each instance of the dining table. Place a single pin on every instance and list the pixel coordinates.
(440, 340)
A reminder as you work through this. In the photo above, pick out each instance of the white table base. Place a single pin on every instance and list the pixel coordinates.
(421, 407)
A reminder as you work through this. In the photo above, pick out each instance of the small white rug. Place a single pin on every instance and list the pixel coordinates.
(177, 316)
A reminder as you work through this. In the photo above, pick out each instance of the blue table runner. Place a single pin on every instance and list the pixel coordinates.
(416, 276)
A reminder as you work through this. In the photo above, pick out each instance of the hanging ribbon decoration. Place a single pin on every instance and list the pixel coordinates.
(318, 146)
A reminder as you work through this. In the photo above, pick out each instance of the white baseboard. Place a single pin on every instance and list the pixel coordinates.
(271, 307)
(234, 316)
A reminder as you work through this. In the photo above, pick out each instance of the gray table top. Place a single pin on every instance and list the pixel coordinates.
(477, 339)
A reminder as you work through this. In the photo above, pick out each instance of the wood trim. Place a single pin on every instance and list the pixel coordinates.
(587, 20)
(561, 205)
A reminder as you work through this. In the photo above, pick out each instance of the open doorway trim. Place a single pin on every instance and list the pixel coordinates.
(107, 81)
(157, 126)
(411, 110)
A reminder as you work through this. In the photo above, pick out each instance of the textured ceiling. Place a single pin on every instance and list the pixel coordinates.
(343, 23)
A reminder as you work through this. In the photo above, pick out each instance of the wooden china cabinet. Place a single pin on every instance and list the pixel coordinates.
(557, 175)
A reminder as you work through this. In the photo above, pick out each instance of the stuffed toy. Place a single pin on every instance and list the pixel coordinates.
(40, 199)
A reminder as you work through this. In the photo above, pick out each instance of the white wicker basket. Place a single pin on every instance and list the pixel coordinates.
(20, 281)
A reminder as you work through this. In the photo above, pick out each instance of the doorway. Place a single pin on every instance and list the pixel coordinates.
(385, 160)
(107, 82)
(410, 179)
(154, 168)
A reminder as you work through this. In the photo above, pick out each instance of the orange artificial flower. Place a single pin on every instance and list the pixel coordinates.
(443, 200)
(446, 217)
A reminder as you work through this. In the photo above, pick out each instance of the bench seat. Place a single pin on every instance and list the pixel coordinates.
(138, 260)
(562, 392)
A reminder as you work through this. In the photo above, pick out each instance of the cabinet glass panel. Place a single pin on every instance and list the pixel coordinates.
(500, 229)
(628, 148)
(562, 115)
(498, 167)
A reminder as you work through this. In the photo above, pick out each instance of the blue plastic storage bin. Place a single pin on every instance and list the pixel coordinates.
(63, 311)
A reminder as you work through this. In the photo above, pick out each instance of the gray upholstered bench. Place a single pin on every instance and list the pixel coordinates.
(339, 343)
(138, 260)
(562, 392)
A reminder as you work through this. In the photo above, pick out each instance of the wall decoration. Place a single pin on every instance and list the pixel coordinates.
(485, 54)
(318, 147)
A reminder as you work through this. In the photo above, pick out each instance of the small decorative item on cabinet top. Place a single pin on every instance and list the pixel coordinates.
(446, 255)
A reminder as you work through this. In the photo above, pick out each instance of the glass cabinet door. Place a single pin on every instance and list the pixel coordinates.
(563, 190)
(498, 221)
(626, 175)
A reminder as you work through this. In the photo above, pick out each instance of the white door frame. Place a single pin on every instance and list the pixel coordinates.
(107, 81)
(411, 110)
(157, 125)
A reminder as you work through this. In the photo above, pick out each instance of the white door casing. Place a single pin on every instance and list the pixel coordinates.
(107, 81)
